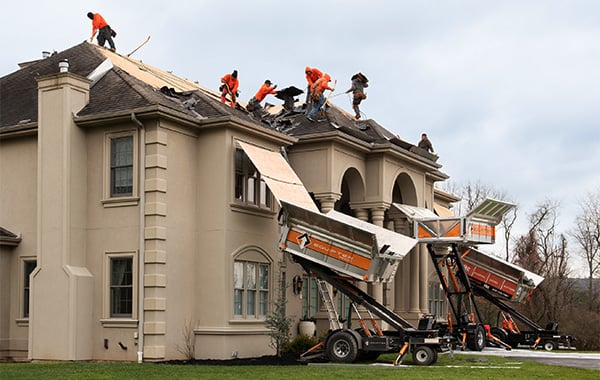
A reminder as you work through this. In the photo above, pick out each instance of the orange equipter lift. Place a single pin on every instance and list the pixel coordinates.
(342, 250)
(443, 236)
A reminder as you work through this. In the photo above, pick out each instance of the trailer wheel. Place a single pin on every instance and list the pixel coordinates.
(476, 341)
(500, 334)
(342, 347)
(549, 345)
(424, 355)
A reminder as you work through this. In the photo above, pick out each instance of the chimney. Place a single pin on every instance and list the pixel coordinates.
(63, 66)
(62, 285)
(45, 54)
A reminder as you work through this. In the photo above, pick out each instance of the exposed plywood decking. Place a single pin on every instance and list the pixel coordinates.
(153, 76)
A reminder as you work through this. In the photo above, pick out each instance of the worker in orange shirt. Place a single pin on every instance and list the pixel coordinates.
(230, 87)
(312, 75)
(318, 98)
(105, 33)
(266, 89)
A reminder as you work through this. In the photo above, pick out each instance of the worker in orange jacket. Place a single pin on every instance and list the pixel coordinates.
(266, 89)
(318, 97)
(230, 87)
(105, 33)
(312, 75)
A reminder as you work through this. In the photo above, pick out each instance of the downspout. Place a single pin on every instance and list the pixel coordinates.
(141, 256)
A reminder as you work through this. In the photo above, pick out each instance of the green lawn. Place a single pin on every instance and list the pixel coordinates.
(458, 367)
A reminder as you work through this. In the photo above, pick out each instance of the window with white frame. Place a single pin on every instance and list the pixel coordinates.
(28, 267)
(120, 167)
(437, 300)
(121, 286)
(250, 289)
(250, 188)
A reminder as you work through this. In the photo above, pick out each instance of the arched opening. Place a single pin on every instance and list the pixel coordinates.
(352, 189)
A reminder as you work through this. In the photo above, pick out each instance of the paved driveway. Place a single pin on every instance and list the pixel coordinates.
(559, 357)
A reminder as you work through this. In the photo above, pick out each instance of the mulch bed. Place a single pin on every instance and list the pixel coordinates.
(290, 359)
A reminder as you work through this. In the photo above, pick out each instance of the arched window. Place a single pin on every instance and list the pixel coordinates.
(251, 283)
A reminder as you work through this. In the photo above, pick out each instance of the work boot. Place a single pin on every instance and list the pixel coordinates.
(357, 116)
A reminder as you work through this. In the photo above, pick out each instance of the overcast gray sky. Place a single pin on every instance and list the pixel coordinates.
(507, 90)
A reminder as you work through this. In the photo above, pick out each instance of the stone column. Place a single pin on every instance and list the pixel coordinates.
(327, 201)
(376, 289)
(362, 214)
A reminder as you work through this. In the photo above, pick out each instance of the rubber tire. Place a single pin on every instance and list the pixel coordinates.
(342, 347)
(549, 345)
(500, 334)
(476, 341)
(424, 355)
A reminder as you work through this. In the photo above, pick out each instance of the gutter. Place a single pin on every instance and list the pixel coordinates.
(141, 256)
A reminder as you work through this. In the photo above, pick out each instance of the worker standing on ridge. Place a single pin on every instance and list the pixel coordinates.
(425, 143)
(105, 33)
(359, 82)
(261, 94)
(312, 75)
(318, 98)
(230, 86)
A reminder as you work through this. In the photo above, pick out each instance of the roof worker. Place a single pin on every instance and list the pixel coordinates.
(230, 87)
(312, 74)
(105, 33)
(359, 82)
(317, 96)
(254, 104)
(425, 143)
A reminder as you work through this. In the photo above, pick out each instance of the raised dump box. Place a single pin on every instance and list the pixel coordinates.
(342, 243)
(498, 276)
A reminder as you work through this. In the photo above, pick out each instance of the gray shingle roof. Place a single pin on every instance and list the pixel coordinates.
(120, 91)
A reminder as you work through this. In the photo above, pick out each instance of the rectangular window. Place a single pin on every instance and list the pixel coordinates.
(250, 188)
(121, 166)
(437, 300)
(310, 297)
(28, 267)
(250, 289)
(121, 287)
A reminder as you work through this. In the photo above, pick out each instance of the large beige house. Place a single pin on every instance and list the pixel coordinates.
(133, 223)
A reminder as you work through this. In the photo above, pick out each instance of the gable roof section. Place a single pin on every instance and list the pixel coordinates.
(18, 90)
(128, 85)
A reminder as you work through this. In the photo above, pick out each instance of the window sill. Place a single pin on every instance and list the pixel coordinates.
(252, 210)
(120, 202)
(22, 322)
(247, 321)
(119, 323)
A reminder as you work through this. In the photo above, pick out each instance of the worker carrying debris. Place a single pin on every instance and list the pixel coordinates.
(230, 87)
(254, 104)
(359, 82)
(105, 32)
(317, 96)
(312, 75)
(425, 143)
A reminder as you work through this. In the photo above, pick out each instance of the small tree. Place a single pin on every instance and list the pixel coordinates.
(278, 322)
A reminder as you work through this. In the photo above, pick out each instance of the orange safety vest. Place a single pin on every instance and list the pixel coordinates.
(263, 91)
(98, 22)
(312, 74)
(231, 82)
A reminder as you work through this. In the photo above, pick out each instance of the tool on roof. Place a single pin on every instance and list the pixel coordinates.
(139, 46)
